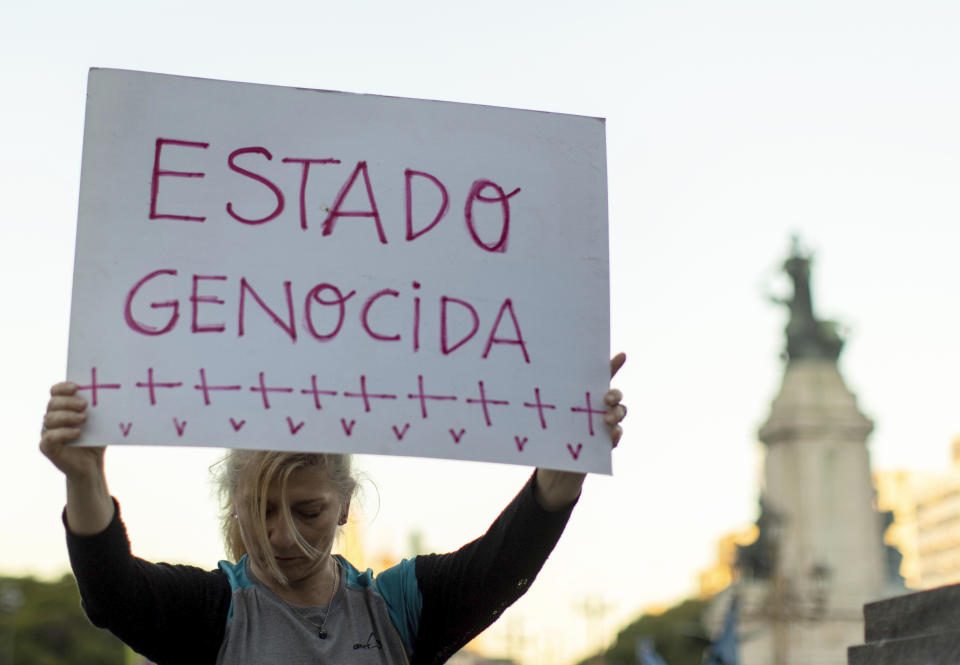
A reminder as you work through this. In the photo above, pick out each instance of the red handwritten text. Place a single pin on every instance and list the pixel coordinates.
(257, 165)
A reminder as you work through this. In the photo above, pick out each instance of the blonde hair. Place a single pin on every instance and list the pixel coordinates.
(257, 470)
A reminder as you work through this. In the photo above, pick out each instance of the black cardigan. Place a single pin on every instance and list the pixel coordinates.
(176, 615)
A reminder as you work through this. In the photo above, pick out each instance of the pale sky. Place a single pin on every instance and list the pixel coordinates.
(730, 125)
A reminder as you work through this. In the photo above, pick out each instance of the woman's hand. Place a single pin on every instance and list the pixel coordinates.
(89, 506)
(558, 489)
(62, 424)
(616, 411)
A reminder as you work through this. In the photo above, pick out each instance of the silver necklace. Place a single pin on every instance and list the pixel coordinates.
(322, 634)
(321, 631)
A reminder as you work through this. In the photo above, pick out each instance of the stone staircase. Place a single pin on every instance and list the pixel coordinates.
(921, 628)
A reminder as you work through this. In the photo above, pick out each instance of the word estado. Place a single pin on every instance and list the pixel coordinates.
(243, 160)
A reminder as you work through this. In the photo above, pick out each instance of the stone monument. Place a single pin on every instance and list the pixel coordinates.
(819, 555)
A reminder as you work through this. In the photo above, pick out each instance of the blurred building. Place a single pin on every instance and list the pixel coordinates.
(926, 521)
(897, 492)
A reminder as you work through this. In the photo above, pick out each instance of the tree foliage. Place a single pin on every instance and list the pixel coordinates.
(678, 636)
(42, 623)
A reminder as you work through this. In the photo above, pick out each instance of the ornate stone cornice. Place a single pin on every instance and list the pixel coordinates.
(814, 403)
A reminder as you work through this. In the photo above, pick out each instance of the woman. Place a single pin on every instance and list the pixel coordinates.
(287, 599)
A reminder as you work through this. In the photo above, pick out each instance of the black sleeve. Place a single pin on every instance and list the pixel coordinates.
(467, 590)
(173, 615)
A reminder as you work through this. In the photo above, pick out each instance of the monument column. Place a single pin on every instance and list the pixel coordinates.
(820, 555)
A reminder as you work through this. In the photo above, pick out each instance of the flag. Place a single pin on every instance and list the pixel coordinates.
(646, 654)
(723, 650)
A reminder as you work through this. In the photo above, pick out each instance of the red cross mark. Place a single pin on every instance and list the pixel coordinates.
(423, 397)
(539, 406)
(206, 387)
(94, 386)
(367, 396)
(313, 390)
(589, 411)
(265, 391)
(484, 401)
(152, 386)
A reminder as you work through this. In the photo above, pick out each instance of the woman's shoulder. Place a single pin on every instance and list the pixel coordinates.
(236, 573)
(388, 580)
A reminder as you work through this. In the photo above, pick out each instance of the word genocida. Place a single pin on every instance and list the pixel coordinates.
(323, 315)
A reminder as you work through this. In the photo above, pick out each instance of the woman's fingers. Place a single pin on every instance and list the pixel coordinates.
(63, 418)
(62, 425)
(64, 388)
(616, 411)
(616, 363)
(615, 414)
(66, 403)
(613, 397)
(53, 439)
(615, 433)
(66, 413)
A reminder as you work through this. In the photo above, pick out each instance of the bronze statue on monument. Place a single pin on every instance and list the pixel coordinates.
(807, 336)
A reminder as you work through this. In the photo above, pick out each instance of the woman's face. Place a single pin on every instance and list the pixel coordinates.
(316, 509)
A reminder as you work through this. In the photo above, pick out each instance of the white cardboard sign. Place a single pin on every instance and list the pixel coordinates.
(279, 268)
